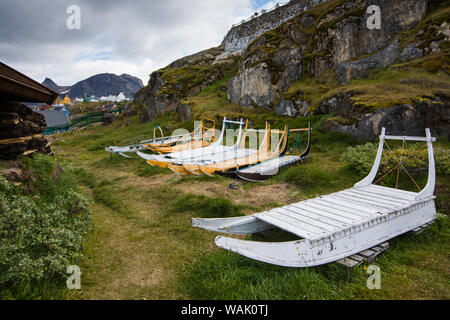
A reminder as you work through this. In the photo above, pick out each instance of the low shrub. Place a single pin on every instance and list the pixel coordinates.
(414, 157)
(42, 225)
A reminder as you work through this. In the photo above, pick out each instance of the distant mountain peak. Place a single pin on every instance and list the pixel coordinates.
(49, 83)
(102, 84)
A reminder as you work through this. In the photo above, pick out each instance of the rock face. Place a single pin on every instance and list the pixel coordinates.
(358, 69)
(239, 37)
(335, 44)
(261, 78)
(183, 112)
(182, 78)
(104, 84)
(286, 108)
(400, 119)
(20, 123)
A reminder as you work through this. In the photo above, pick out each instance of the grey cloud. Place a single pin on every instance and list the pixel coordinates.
(34, 37)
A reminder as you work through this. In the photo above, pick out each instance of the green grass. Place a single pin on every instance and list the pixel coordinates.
(204, 207)
(149, 210)
(226, 275)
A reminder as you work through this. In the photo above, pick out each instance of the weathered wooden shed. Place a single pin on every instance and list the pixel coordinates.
(20, 128)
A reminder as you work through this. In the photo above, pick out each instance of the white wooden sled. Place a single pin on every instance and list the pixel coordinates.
(208, 152)
(334, 226)
(123, 150)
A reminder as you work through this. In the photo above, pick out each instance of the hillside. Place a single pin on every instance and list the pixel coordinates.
(99, 85)
(326, 61)
(128, 225)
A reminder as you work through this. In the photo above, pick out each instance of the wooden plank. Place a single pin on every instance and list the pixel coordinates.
(360, 210)
(357, 257)
(368, 255)
(328, 223)
(356, 200)
(305, 219)
(398, 191)
(409, 138)
(382, 196)
(341, 215)
(422, 228)
(340, 218)
(349, 263)
(389, 192)
(19, 140)
(375, 200)
(297, 230)
(303, 224)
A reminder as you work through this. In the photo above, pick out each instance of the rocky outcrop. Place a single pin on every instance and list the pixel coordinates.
(358, 69)
(329, 40)
(239, 37)
(286, 108)
(21, 131)
(183, 112)
(400, 119)
(182, 78)
(263, 77)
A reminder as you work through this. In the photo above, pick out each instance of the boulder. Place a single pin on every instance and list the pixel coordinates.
(286, 108)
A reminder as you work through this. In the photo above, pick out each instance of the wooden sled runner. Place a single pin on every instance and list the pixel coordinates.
(334, 226)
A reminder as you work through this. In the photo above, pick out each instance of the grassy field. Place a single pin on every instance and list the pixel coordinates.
(142, 246)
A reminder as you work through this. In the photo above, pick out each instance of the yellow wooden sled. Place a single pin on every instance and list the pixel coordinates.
(193, 168)
(264, 153)
(199, 138)
(179, 170)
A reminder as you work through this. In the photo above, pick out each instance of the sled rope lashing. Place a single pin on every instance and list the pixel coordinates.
(299, 133)
(398, 166)
(236, 184)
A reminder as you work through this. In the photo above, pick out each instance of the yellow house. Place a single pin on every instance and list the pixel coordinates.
(66, 100)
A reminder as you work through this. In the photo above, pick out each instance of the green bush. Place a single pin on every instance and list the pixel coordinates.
(42, 225)
(414, 157)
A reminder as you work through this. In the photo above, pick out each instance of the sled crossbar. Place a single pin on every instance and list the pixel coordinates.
(407, 138)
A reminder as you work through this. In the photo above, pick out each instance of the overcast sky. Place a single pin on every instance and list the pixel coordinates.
(116, 36)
